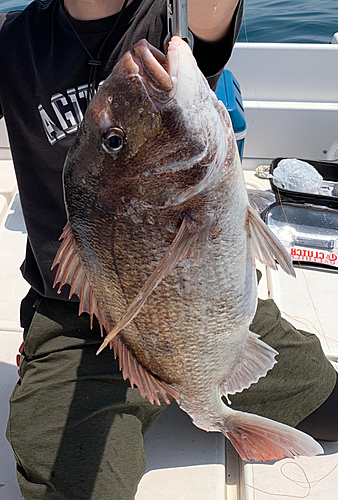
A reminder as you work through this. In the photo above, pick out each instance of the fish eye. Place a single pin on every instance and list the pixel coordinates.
(114, 140)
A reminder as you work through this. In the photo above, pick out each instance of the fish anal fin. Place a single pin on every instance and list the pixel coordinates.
(189, 232)
(266, 246)
(70, 271)
(148, 385)
(259, 439)
(257, 359)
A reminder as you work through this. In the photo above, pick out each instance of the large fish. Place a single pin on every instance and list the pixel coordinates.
(161, 241)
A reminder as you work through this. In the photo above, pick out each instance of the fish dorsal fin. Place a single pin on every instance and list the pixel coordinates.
(257, 359)
(71, 272)
(266, 246)
(148, 385)
(189, 232)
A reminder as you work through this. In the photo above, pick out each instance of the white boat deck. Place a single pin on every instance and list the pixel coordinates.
(185, 463)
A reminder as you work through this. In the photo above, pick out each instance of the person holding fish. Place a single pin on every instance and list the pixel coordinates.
(128, 154)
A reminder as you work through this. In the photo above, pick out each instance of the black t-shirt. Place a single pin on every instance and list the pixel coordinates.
(44, 76)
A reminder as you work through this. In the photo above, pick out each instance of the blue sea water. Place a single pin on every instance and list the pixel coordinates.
(299, 21)
(296, 21)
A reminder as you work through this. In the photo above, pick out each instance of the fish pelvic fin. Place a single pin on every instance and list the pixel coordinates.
(189, 233)
(260, 200)
(257, 358)
(259, 439)
(266, 246)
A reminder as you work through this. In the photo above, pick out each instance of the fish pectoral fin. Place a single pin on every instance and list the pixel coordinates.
(71, 272)
(257, 359)
(259, 439)
(196, 250)
(266, 246)
(187, 235)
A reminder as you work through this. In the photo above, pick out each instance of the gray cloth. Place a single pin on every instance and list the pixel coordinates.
(77, 428)
(299, 383)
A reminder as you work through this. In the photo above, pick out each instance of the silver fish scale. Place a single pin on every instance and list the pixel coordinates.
(179, 162)
(188, 325)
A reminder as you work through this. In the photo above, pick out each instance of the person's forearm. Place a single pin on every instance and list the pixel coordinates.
(210, 19)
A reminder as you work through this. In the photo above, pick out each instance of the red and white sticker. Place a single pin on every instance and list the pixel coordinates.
(316, 256)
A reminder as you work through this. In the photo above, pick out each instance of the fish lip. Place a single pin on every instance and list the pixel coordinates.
(157, 72)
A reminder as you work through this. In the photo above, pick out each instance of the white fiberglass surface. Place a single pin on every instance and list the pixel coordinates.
(183, 461)
(309, 303)
(313, 478)
(290, 96)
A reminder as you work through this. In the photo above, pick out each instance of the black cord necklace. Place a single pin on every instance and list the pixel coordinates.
(94, 62)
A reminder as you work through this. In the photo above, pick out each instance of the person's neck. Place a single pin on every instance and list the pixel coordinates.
(88, 10)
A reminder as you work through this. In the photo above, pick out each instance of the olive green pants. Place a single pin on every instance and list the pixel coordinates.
(76, 428)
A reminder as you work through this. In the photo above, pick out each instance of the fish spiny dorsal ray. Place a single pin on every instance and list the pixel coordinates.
(177, 303)
(71, 272)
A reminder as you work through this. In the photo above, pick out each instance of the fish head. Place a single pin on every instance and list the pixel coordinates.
(151, 132)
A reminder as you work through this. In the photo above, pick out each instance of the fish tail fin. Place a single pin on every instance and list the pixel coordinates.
(260, 439)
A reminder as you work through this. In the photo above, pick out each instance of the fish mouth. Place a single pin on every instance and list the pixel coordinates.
(158, 72)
